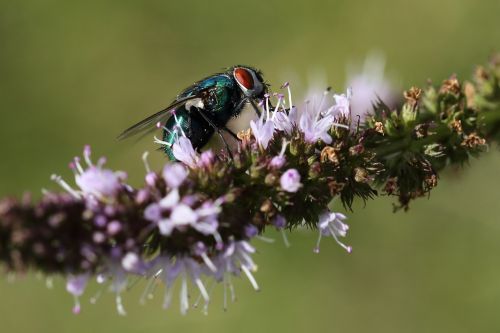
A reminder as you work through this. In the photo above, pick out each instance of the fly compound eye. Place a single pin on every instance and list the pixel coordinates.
(244, 78)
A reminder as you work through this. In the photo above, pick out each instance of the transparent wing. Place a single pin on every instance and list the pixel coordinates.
(150, 122)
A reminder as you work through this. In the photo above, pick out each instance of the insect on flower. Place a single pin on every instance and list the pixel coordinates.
(205, 108)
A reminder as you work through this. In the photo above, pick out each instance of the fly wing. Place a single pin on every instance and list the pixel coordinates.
(150, 122)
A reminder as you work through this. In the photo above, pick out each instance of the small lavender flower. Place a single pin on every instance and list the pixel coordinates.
(153, 212)
(207, 158)
(251, 231)
(174, 174)
(285, 121)
(131, 262)
(369, 85)
(277, 162)
(342, 106)
(183, 151)
(118, 276)
(290, 181)
(185, 269)
(76, 285)
(237, 256)
(331, 224)
(315, 127)
(262, 130)
(279, 222)
(173, 212)
(311, 121)
(93, 181)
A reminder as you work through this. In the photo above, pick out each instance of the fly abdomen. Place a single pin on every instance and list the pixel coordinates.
(188, 124)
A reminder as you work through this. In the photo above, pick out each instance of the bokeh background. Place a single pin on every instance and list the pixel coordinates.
(79, 72)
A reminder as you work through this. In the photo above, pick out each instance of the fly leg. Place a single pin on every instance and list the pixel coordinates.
(231, 133)
(245, 100)
(254, 106)
(217, 129)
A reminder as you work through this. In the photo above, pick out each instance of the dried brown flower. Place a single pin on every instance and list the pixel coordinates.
(450, 86)
(329, 154)
(473, 141)
(413, 95)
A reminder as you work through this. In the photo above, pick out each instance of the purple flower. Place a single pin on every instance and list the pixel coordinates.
(151, 178)
(279, 222)
(99, 237)
(114, 227)
(277, 162)
(75, 285)
(284, 121)
(118, 278)
(207, 215)
(131, 262)
(251, 231)
(180, 217)
(315, 127)
(311, 120)
(331, 224)
(342, 106)
(152, 212)
(207, 158)
(183, 214)
(290, 180)
(262, 130)
(170, 200)
(93, 181)
(237, 256)
(173, 212)
(183, 151)
(99, 182)
(368, 85)
(174, 174)
(184, 268)
(100, 221)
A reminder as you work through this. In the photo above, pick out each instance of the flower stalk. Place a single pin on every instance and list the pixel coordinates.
(193, 221)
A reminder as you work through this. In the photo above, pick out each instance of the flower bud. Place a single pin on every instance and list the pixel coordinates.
(356, 150)
(255, 171)
(290, 181)
(277, 162)
(279, 222)
(251, 231)
(270, 179)
(294, 147)
(314, 170)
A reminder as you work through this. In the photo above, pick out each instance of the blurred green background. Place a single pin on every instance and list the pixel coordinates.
(78, 72)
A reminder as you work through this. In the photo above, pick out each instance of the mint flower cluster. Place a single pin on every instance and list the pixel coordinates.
(190, 225)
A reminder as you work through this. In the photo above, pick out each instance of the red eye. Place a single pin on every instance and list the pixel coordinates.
(243, 77)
